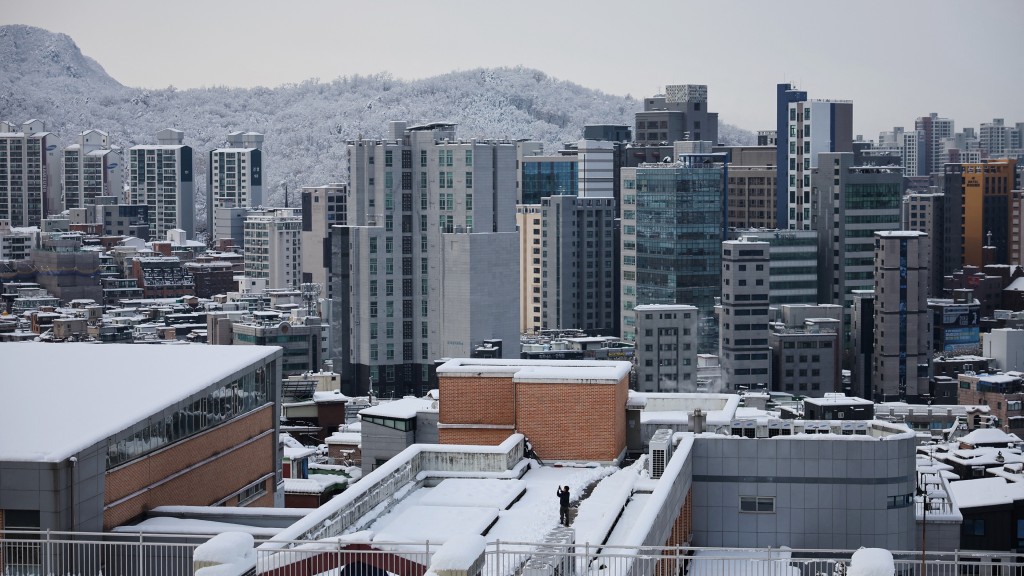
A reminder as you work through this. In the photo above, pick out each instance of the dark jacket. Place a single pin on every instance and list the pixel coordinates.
(563, 498)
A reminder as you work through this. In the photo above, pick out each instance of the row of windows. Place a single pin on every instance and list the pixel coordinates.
(235, 398)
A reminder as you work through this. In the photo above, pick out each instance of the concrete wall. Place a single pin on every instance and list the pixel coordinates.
(67, 496)
(383, 443)
(830, 491)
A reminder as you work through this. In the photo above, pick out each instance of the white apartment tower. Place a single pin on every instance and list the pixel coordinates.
(743, 334)
(902, 320)
(815, 126)
(29, 173)
(234, 175)
(273, 250)
(91, 169)
(427, 265)
(160, 177)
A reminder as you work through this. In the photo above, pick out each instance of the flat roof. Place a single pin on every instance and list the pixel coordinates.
(59, 399)
(540, 371)
(985, 492)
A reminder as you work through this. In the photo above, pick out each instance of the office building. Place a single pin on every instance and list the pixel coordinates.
(578, 264)
(854, 202)
(541, 176)
(160, 177)
(743, 332)
(681, 113)
(91, 169)
(322, 207)
(806, 352)
(667, 338)
(955, 323)
(793, 263)
(902, 320)
(234, 176)
(29, 174)
(977, 213)
(673, 225)
(923, 212)
(191, 426)
(752, 174)
(806, 128)
(407, 193)
(273, 250)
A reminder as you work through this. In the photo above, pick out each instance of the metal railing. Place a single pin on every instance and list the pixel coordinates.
(94, 554)
(88, 554)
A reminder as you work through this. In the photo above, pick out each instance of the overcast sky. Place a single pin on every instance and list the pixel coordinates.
(896, 59)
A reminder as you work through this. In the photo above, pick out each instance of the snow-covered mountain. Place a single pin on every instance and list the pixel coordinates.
(306, 125)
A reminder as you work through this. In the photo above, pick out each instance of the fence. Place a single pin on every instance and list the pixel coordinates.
(94, 554)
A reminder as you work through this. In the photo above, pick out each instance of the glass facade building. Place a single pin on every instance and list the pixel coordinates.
(546, 177)
(673, 225)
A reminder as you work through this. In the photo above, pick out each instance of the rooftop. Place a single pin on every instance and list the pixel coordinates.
(74, 395)
(545, 371)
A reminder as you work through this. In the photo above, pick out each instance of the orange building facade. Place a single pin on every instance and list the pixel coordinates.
(568, 410)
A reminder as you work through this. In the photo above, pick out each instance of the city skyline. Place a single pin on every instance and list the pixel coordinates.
(743, 50)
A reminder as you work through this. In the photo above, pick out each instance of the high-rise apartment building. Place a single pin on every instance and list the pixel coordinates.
(667, 337)
(902, 319)
(322, 207)
(234, 176)
(578, 261)
(854, 202)
(528, 220)
(978, 202)
(785, 94)
(673, 224)
(813, 127)
(681, 113)
(936, 130)
(399, 275)
(743, 332)
(997, 138)
(273, 250)
(160, 177)
(29, 173)
(91, 169)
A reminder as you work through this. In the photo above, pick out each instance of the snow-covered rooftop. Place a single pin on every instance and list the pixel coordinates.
(983, 436)
(404, 409)
(70, 396)
(540, 371)
(985, 492)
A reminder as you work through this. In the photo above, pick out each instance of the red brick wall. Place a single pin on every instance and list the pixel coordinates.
(475, 436)
(199, 487)
(476, 400)
(562, 421)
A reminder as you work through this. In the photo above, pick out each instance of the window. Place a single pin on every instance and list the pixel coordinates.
(973, 527)
(423, 158)
(757, 504)
(469, 179)
(388, 158)
(469, 157)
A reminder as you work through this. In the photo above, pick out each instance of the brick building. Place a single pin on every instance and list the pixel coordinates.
(1002, 393)
(97, 435)
(567, 409)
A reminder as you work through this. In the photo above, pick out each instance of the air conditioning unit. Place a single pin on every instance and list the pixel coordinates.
(660, 452)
